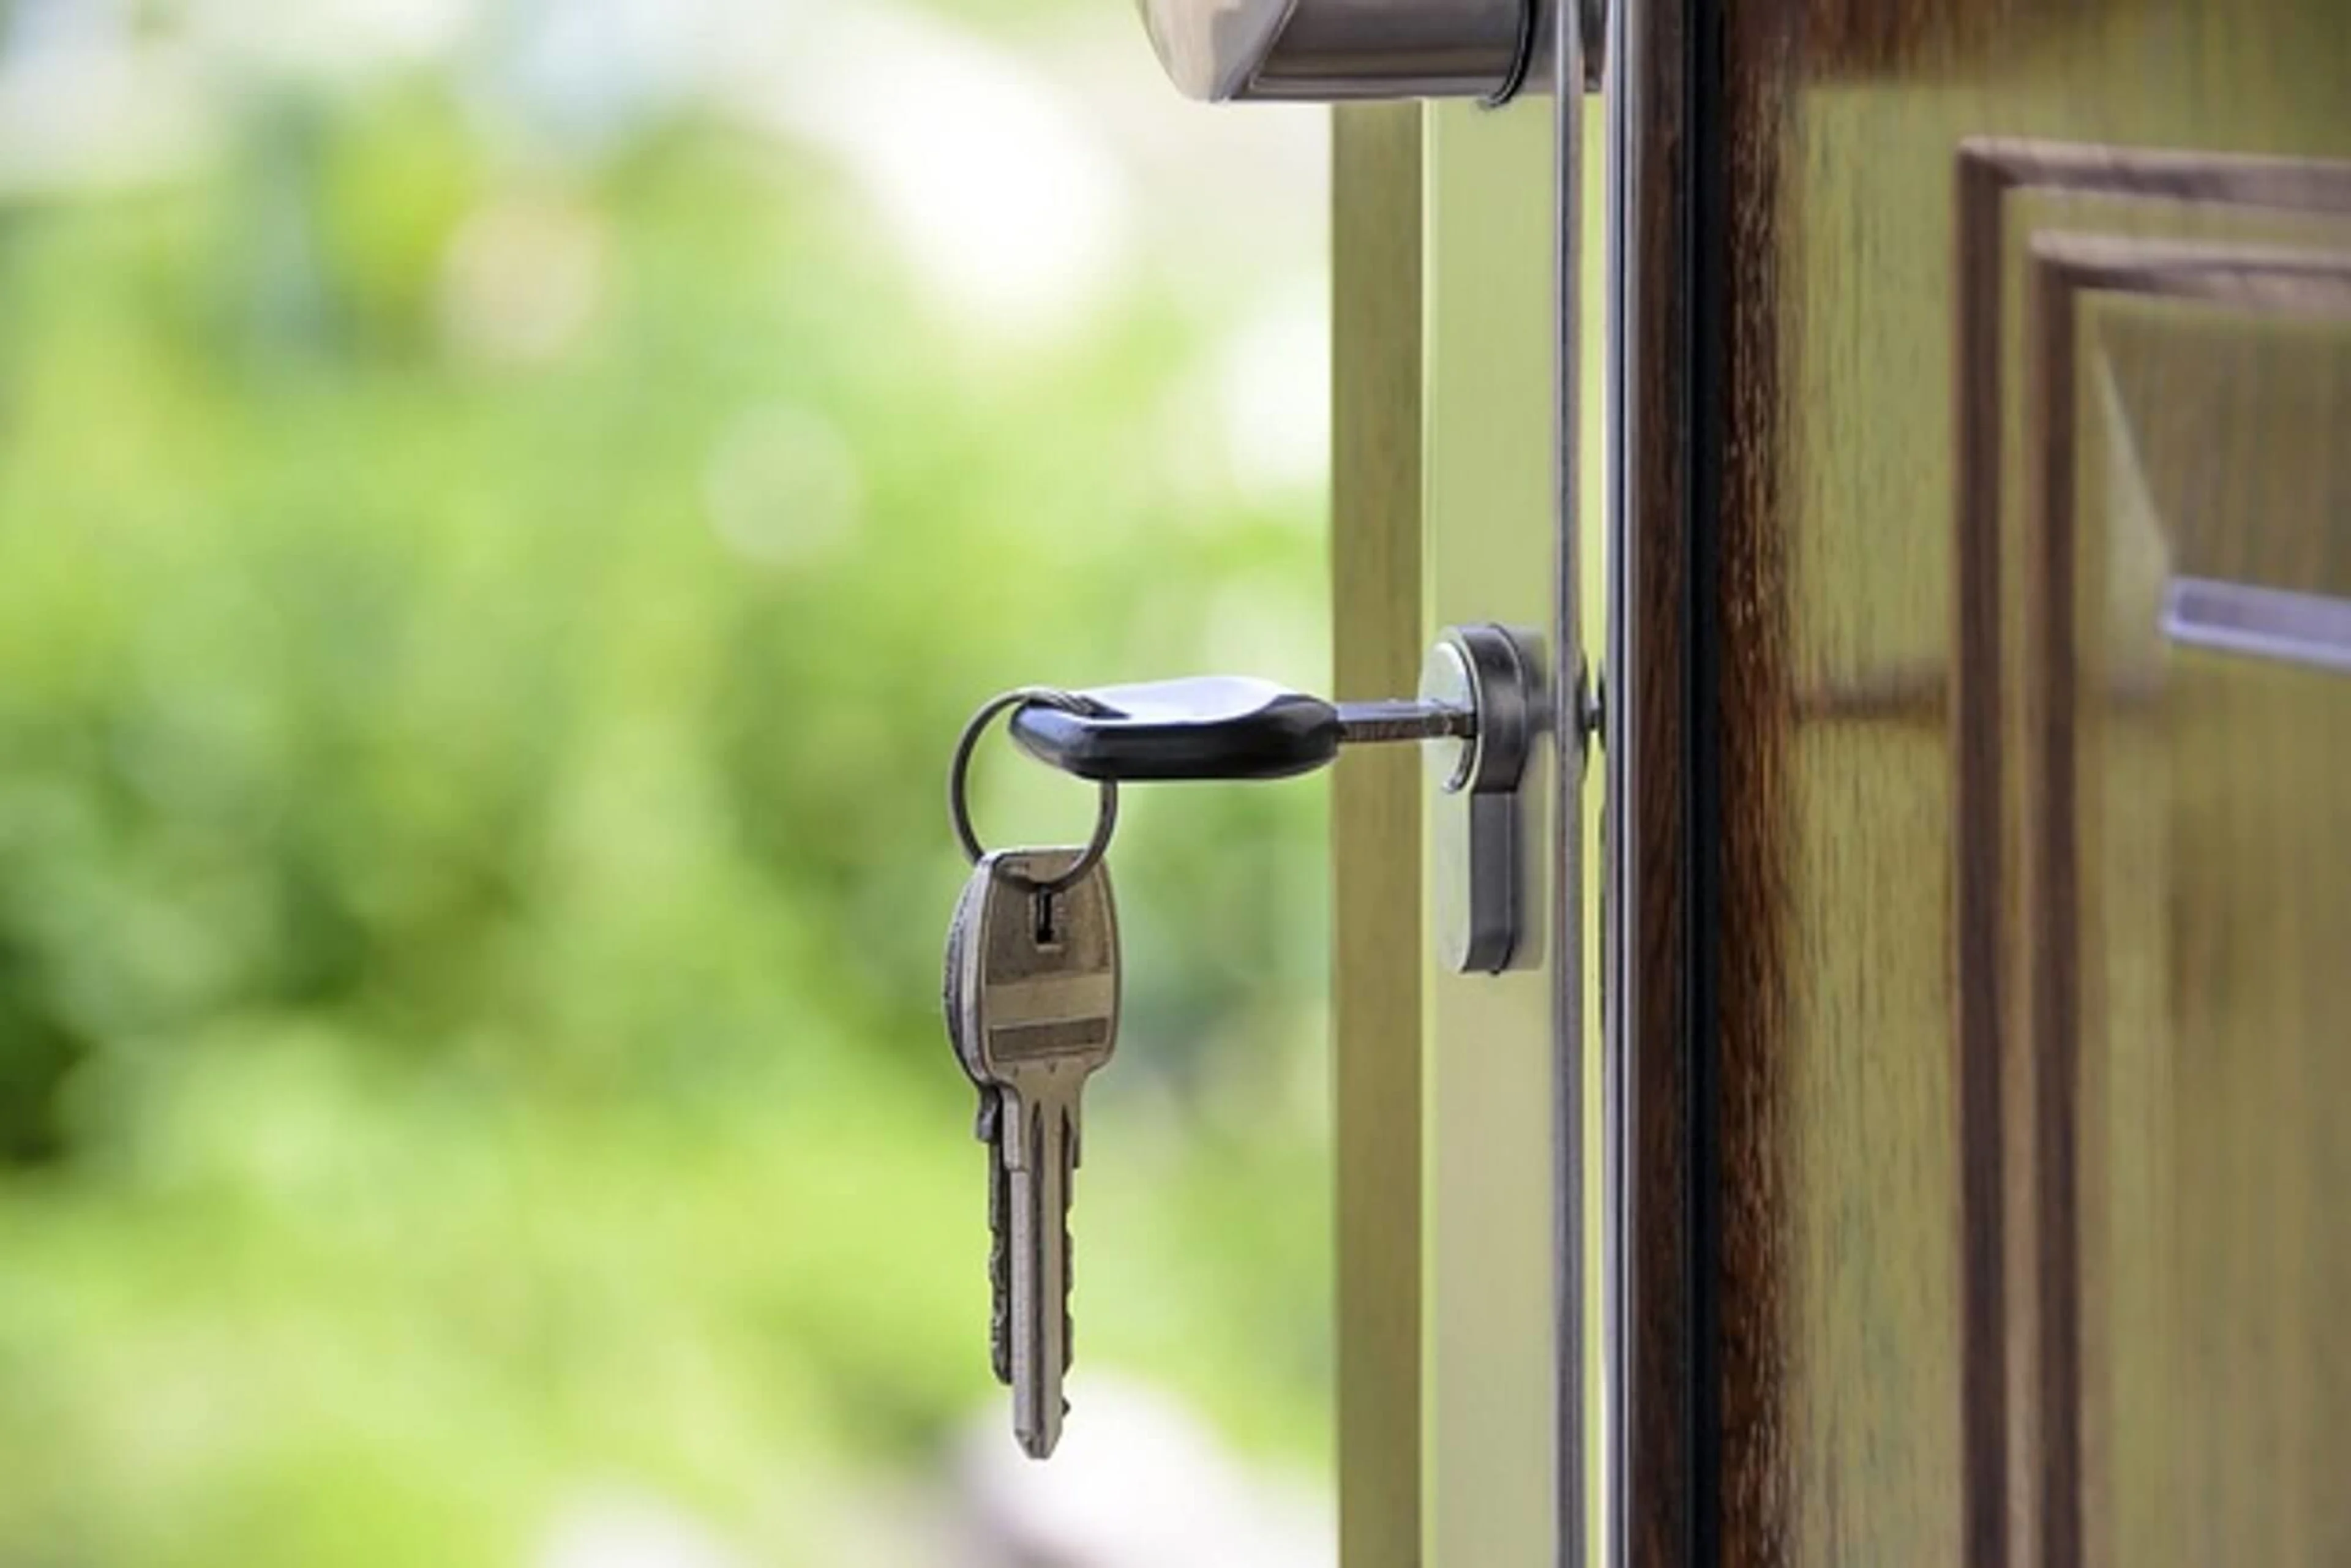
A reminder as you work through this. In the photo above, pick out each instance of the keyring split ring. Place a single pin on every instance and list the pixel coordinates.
(959, 780)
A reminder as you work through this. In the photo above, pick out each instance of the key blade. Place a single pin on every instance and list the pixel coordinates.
(1041, 1264)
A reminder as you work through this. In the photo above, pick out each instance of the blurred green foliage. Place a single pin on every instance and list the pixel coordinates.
(469, 925)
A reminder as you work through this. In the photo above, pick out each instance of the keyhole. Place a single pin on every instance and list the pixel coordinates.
(1049, 919)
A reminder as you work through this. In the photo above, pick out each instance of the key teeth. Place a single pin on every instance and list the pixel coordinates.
(999, 1319)
(999, 1268)
(999, 1350)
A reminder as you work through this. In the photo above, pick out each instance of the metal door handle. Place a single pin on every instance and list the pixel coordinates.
(1327, 51)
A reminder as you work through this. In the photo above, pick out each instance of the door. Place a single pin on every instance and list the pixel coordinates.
(1460, 1098)
(1463, 1087)
(1985, 701)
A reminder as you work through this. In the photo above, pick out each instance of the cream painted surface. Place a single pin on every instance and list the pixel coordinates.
(1491, 1381)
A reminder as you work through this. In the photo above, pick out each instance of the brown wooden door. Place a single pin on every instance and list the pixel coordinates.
(1983, 779)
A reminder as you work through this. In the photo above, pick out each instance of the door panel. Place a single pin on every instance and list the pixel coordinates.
(1493, 1379)
(1988, 711)
(2188, 691)
(2122, 332)
(1451, 1095)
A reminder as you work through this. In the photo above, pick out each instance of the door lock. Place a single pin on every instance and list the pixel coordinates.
(1482, 704)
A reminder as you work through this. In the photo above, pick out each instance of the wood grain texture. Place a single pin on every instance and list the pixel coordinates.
(1376, 588)
(1747, 873)
(1656, 1506)
(1912, 1176)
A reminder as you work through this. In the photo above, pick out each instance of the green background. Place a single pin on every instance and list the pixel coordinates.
(483, 615)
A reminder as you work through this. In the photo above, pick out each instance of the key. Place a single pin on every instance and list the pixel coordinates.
(1220, 727)
(1040, 999)
(984, 1127)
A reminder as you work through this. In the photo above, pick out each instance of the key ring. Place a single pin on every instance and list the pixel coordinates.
(958, 778)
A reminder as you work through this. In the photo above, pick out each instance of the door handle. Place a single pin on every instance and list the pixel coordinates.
(1330, 51)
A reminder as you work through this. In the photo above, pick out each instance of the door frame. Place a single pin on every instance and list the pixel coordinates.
(1665, 184)
(1470, 1197)
(1377, 365)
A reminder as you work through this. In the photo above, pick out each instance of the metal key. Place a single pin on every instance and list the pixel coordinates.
(1039, 998)
(986, 1126)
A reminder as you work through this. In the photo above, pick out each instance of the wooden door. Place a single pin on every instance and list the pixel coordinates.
(1979, 763)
